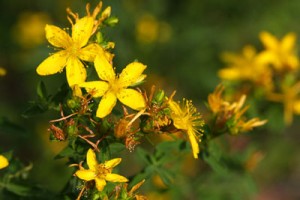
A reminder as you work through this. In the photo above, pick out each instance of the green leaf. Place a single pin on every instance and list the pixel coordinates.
(41, 90)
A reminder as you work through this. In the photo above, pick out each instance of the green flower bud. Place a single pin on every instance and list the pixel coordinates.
(159, 96)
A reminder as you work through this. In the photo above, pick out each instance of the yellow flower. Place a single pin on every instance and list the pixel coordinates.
(186, 118)
(100, 172)
(73, 49)
(226, 111)
(290, 97)
(3, 162)
(280, 54)
(115, 87)
(246, 66)
(2, 71)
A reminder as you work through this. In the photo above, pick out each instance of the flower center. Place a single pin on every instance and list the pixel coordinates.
(102, 171)
(74, 50)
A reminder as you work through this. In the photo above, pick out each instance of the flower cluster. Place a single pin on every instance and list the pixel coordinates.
(91, 114)
(274, 71)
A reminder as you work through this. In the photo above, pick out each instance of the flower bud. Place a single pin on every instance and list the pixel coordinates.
(159, 96)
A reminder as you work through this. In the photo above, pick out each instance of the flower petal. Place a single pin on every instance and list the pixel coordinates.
(193, 141)
(106, 104)
(112, 163)
(131, 73)
(132, 99)
(85, 174)
(100, 184)
(82, 30)
(53, 64)
(3, 162)
(115, 178)
(91, 160)
(288, 42)
(269, 41)
(89, 52)
(76, 72)
(57, 37)
(95, 88)
(175, 108)
(104, 68)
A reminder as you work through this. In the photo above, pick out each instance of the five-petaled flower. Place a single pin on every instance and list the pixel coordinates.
(241, 67)
(280, 54)
(73, 49)
(3, 162)
(186, 118)
(100, 173)
(115, 87)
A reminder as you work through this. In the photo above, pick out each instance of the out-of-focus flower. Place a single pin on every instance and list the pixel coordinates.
(115, 87)
(149, 30)
(186, 118)
(74, 48)
(290, 97)
(29, 30)
(3, 162)
(99, 172)
(230, 115)
(2, 71)
(246, 66)
(281, 54)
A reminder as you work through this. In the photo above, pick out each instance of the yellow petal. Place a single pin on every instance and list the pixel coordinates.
(112, 163)
(76, 72)
(116, 178)
(269, 41)
(131, 73)
(91, 160)
(85, 174)
(82, 30)
(57, 37)
(193, 141)
(104, 69)
(3, 162)
(89, 52)
(296, 107)
(106, 104)
(53, 64)
(95, 88)
(288, 42)
(175, 108)
(132, 99)
(100, 184)
(229, 74)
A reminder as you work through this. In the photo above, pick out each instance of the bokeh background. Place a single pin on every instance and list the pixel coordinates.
(180, 42)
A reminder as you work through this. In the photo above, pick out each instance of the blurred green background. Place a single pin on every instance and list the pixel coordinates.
(181, 47)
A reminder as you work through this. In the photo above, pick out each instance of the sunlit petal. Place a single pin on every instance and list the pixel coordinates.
(85, 174)
(57, 37)
(3, 162)
(288, 42)
(96, 88)
(76, 72)
(53, 64)
(132, 99)
(175, 108)
(106, 105)
(131, 73)
(89, 52)
(116, 178)
(112, 163)
(82, 30)
(193, 141)
(91, 160)
(269, 41)
(100, 184)
(104, 68)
